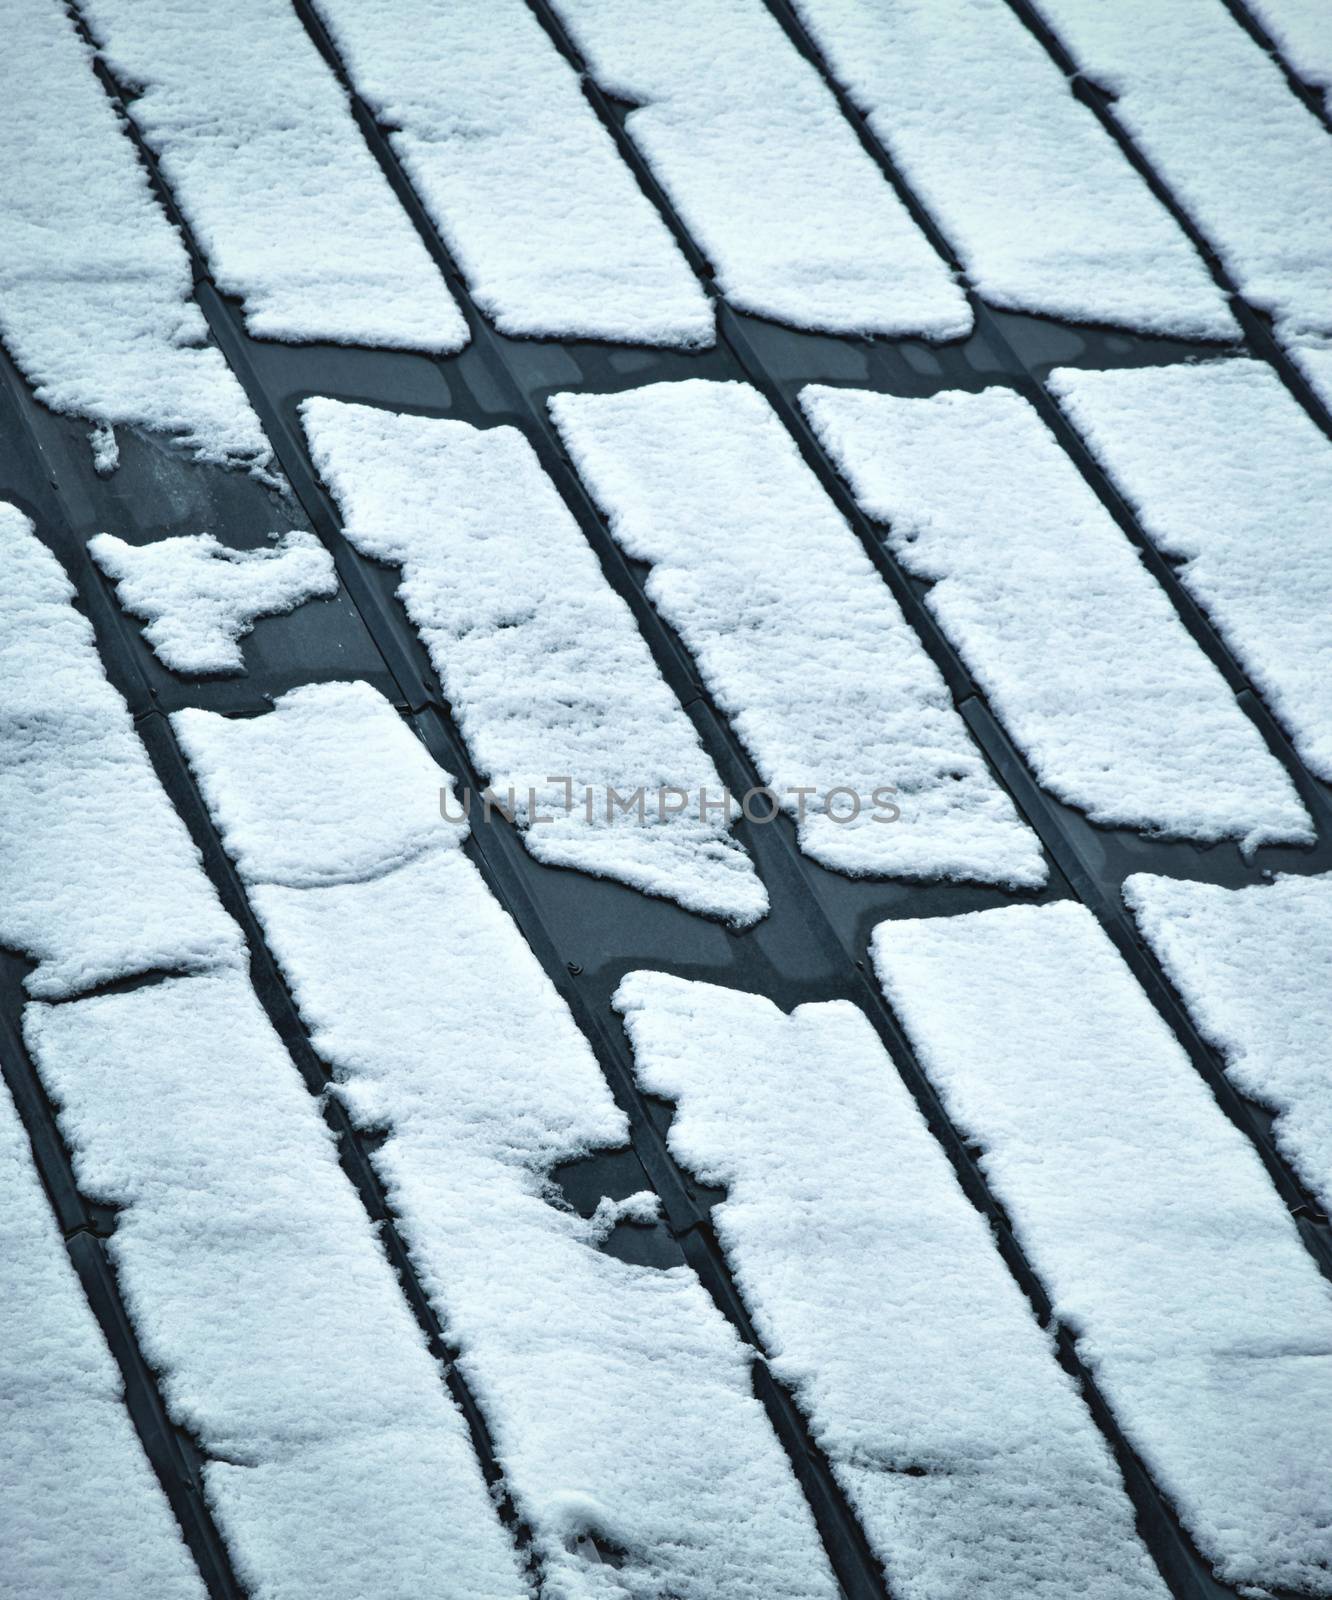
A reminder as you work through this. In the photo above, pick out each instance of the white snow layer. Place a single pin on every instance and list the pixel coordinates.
(617, 1398)
(1071, 230)
(1076, 646)
(95, 284)
(200, 597)
(98, 877)
(1300, 30)
(335, 1463)
(309, 823)
(524, 184)
(541, 661)
(1166, 1250)
(798, 637)
(81, 1510)
(1216, 119)
(1313, 357)
(1232, 479)
(882, 1301)
(256, 138)
(1254, 967)
(750, 145)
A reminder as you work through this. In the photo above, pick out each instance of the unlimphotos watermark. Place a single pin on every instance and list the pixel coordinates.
(646, 806)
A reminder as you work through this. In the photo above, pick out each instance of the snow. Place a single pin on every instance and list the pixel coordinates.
(98, 877)
(1166, 1250)
(272, 174)
(618, 1400)
(1313, 357)
(96, 303)
(500, 143)
(105, 450)
(643, 1208)
(200, 597)
(882, 1301)
(1300, 32)
(1231, 479)
(1076, 646)
(794, 632)
(336, 1464)
(339, 814)
(1254, 967)
(1071, 231)
(541, 661)
(1217, 121)
(750, 146)
(82, 1512)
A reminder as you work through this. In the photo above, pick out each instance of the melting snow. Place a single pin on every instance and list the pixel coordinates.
(796, 219)
(1071, 230)
(793, 630)
(881, 1299)
(1166, 1250)
(1077, 647)
(199, 597)
(1255, 969)
(95, 284)
(618, 1400)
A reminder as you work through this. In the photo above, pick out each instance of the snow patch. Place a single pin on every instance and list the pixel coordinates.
(199, 597)
(335, 1463)
(82, 1512)
(1255, 969)
(1071, 230)
(105, 450)
(1313, 357)
(643, 1208)
(98, 877)
(1215, 117)
(1232, 479)
(363, 798)
(1299, 29)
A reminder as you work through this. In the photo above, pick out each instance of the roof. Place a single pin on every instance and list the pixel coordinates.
(925, 1201)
